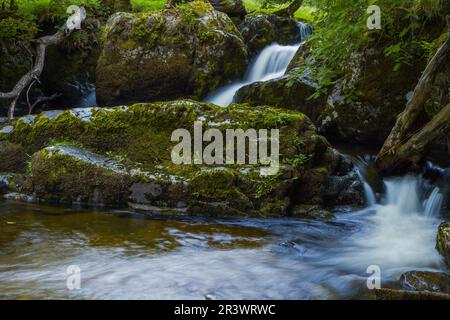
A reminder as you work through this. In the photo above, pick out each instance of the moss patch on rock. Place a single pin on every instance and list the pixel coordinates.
(443, 241)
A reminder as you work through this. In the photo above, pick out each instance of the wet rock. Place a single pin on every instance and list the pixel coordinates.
(290, 92)
(311, 212)
(6, 130)
(335, 183)
(261, 30)
(443, 241)
(390, 294)
(428, 281)
(20, 197)
(186, 51)
(257, 32)
(233, 8)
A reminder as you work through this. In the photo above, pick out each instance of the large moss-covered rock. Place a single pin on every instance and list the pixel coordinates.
(365, 106)
(443, 241)
(186, 51)
(124, 153)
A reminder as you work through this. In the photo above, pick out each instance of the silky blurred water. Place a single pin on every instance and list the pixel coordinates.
(123, 256)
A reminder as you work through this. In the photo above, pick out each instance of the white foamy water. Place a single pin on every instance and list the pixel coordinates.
(400, 234)
(271, 63)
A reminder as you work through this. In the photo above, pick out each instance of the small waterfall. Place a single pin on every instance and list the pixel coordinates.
(361, 164)
(433, 204)
(369, 194)
(271, 63)
(305, 30)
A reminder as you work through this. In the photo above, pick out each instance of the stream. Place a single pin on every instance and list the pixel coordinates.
(126, 255)
(129, 255)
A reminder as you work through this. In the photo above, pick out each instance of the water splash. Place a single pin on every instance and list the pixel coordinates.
(400, 233)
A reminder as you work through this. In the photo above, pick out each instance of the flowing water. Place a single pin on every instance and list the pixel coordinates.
(125, 255)
(271, 63)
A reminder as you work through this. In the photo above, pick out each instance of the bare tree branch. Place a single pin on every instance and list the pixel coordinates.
(36, 71)
(402, 133)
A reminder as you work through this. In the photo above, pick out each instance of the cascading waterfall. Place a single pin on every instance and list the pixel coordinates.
(271, 63)
(400, 235)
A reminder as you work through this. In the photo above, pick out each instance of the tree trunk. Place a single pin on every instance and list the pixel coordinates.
(402, 133)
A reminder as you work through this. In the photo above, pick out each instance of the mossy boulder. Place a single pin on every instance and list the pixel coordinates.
(426, 281)
(291, 92)
(443, 241)
(260, 30)
(186, 51)
(69, 175)
(364, 107)
(124, 155)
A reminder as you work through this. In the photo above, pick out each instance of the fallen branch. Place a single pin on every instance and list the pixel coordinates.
(39, 100)
(36, 71)
(407, 120)
(413, 149)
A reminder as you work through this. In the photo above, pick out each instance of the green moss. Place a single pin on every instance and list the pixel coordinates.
(139, 137)
(61, 178)
(12, 157)
(443, 241)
